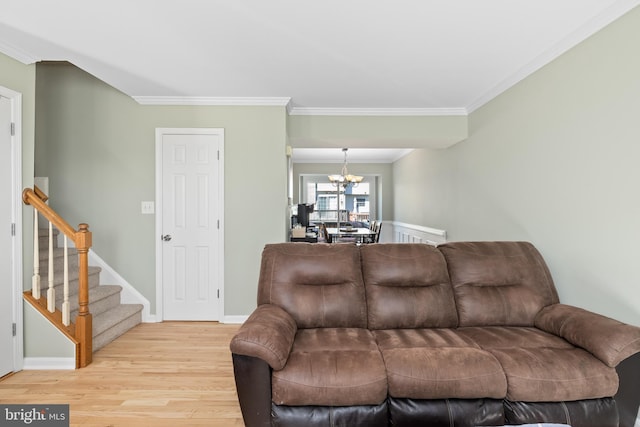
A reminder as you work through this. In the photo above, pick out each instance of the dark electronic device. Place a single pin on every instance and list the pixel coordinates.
(304, 209)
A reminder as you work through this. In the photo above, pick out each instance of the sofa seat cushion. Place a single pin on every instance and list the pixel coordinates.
(490, 337)
(331, 367)
(555, 374)
(417, 338)
(439, 364)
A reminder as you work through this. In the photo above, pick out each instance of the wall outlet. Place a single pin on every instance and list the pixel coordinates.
(148, 208)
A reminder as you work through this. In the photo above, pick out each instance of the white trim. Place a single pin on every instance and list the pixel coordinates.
(158, 225)
(16, 215)
(49, 363)
(437, 232)
(596, 24)
(303, 111)
(221, 284)
(129, 294)
(17, 53)
(235, 320)
(295, 111)
(412, 233)
(213, 100)
(158, 229)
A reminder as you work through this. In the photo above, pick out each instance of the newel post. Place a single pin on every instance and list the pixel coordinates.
(84, 325)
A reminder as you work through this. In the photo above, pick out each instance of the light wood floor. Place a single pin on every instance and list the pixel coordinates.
(158, 374)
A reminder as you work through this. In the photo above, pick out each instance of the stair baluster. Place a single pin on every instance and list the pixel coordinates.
(35, 280)
(51, 292)
(66, 314)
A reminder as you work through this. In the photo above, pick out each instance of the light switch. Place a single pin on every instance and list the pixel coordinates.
(148, 208)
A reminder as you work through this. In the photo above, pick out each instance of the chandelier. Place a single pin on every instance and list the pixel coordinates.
(345, 179)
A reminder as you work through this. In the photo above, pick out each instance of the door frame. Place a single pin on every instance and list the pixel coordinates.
(160, 132)
(16, 218)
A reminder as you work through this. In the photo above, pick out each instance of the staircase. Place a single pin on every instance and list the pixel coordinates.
(110, 318)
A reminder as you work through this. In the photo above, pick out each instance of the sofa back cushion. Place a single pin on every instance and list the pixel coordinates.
(319, 285)
(407, 287)
(498, 283)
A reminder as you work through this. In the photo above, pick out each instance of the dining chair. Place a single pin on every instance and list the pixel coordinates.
(376, 237)
(325, 233)
(372, 237)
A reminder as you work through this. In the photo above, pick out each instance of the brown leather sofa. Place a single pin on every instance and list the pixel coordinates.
(465, 334)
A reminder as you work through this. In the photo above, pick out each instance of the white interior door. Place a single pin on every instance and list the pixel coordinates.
(190, 211)
(6, 240)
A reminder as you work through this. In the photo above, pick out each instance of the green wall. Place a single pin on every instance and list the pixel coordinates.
(97, 146)
(553, 160)
(39, 338)
(375, 131)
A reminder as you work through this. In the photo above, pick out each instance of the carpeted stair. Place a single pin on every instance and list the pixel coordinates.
(110, 318)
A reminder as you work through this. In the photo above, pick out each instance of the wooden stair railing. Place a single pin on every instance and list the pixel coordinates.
(81, 331)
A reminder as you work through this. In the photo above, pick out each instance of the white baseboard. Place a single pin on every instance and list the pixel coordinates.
(129, 295)
(48, 363)
(149, 318)
(235, 319)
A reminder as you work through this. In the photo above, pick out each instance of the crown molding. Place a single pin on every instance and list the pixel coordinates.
(304, 111)
(213, 101)
(594, 25)
(295, 111)
(17, 53)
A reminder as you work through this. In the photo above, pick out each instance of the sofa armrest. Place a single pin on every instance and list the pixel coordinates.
(253, 384)
(627, 397)
(267, 334)
(609, 340)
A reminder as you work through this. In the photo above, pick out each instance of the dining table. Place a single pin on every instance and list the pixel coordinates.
(360, 234)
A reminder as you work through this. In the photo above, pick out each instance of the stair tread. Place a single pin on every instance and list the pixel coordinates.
(95, 294)
(103, 290)
(59, 278)
(110, 318)
(57, 253)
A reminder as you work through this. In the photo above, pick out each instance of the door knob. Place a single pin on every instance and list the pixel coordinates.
(166, 237)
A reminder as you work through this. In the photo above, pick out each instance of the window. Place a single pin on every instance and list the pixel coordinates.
(355, 202)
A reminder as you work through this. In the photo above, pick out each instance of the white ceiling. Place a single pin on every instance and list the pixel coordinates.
(332, 56)
(356, 57)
